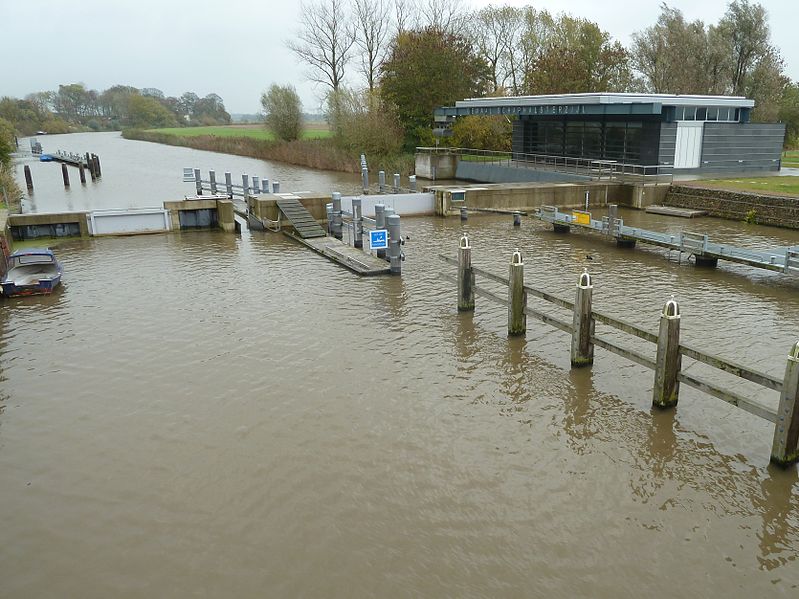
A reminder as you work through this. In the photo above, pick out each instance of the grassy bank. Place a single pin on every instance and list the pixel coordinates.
(249, 131)
(787, 186)
(790, 158)
(318, 150)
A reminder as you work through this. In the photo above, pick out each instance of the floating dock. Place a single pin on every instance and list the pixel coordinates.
(705, 252)
(347, 256)
(672, 211)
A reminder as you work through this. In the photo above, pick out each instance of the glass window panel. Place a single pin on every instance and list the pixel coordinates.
(690, 113)
(701, 114)
(712, 114)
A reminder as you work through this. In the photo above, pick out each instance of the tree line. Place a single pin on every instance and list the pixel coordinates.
(390, 63)
(73, 106)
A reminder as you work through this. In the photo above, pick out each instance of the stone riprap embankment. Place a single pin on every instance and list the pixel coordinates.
(779, 211)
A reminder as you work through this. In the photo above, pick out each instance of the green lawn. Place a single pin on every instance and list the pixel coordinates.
(254, 131)
(790, 158)
(768, 185)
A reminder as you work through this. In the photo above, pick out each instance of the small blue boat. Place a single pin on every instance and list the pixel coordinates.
(46, 158)
(31, 272)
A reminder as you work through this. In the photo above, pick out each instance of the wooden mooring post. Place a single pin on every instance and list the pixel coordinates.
(82, 174)
(465, 276)
(668, 362)
(582, 349)
(28, 178)
(517, 296)
(65, 175)
(785, 447)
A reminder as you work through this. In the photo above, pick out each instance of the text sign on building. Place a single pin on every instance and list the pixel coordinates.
(378, 239)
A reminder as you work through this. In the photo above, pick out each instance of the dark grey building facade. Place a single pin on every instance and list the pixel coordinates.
(687, 133)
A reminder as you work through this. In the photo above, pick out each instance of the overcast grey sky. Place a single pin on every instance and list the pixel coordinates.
(236, 48)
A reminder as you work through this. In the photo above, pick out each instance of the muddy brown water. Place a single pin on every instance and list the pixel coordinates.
(203, 414)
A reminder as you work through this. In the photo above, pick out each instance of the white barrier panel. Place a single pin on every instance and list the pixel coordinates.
(120, 222)
(404, 204)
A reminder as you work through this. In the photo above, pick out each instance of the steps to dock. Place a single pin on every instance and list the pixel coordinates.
(302, 221)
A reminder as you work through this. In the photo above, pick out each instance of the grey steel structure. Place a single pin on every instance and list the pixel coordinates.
(687, 133)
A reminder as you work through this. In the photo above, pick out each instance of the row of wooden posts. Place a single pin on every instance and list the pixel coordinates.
(92, 165)
(668, 361)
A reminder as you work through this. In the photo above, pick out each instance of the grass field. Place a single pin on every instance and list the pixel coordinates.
(767, 185)
(790, 158)
(312, 131)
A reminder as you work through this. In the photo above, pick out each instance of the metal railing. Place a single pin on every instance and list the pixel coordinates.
(595, 169)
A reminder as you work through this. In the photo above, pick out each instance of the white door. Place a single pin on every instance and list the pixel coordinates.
(688, 149)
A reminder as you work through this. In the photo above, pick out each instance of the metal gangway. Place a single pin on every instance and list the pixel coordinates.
(705, 252)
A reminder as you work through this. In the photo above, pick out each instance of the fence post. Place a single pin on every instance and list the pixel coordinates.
(337, 215)
(380, 223)
(785, 448)
(198, 182)
(582, 350)
(465, 276)
(517, 296)
(357, 223)
(28, 178)
(212, 179)
(668, 361)
(394, 244)
(229, 184)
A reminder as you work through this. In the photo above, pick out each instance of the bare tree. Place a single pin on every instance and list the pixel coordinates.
(405, 15)
(446, 16)
(324, 41)
(745, 26)
(496, 31)
(372, 31)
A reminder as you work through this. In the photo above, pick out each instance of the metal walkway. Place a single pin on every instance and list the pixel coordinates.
(783, 259)
(302, 221)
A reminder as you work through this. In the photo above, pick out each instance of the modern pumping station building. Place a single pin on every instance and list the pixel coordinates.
(686, 134)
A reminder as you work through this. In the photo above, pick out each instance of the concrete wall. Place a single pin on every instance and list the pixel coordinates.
(45, 221)
(487, 172)
(435, 166)
(125, 222)
(404, 204)
(526, 197)
(730, 147)
(225, 219)
(768, 210)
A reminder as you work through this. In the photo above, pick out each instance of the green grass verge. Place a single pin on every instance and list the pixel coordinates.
(766, 185)
(250, 131)
(790, 158)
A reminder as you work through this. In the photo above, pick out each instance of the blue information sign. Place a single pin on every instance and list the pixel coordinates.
(378, 239)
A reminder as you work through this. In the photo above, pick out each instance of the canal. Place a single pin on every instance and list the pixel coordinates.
(218, 415)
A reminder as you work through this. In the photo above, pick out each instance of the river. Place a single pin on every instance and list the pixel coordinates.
(205, 414)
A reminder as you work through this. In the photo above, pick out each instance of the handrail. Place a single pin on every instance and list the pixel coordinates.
(760, 378)
(596, 168)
